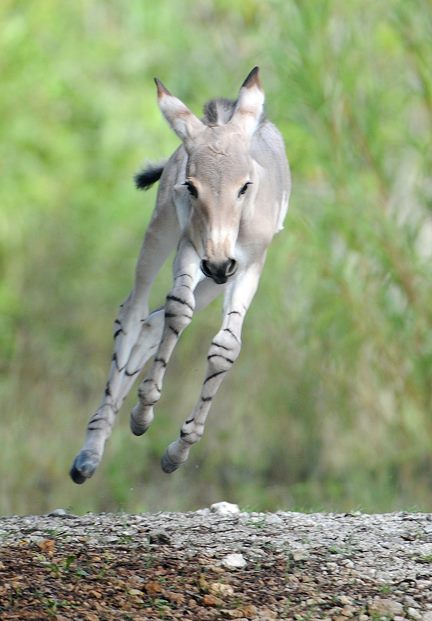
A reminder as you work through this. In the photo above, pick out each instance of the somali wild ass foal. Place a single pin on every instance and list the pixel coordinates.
(222, 196)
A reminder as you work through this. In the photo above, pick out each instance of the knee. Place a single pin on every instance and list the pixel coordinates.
(224, 350)
(149, 393)
(179, 308)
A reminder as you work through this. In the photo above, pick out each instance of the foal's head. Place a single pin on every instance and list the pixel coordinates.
(219, 174)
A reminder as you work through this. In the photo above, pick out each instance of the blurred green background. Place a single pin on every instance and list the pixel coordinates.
(329, 405)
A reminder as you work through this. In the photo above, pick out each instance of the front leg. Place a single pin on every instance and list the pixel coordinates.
(179, 309)
(222, 354)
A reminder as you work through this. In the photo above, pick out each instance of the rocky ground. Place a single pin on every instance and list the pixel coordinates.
(216, 564)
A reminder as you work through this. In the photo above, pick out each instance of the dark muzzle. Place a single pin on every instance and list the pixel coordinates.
(219, 272)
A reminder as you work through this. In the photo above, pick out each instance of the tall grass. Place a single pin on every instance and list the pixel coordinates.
(330, 403)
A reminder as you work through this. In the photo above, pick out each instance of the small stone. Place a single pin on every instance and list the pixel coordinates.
(135, 592)
(335, 612)
(129, 533)
(159, 537)
(386, 607)
(165, 612)
(347, 563)
(175, 598)
(203, 584)
(345, 601)
(249, 611)
(273, 519)
(153, 588)
(266, 614)
(427, 616)
(211, 600)
(300, 555)
(224, 508)
(37, 539)
(413, 613)
(348, 611)
(59, 513)
(220, 589)
(111, 539)
(234, 561)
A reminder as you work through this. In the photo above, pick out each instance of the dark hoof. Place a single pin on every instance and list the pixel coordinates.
(84, 466)
(167, 464)
(138, 429)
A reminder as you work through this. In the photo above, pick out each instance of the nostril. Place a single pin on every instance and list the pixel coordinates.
(231, 267)
(205, 268)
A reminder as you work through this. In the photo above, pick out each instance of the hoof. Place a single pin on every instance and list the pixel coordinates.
(84, 466)
(139, 428)
(167, 464)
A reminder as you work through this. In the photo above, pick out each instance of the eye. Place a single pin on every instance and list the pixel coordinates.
(243, 189)
(191, 189)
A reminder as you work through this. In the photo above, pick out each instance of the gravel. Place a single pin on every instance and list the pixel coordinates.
(281, 565)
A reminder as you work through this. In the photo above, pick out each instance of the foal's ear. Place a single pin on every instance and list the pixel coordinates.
(250, 104)
(185, 124)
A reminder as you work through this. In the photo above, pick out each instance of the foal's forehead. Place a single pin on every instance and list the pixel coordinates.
(219, 150)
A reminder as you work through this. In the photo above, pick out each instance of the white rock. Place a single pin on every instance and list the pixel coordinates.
(234, 561)
(413, 613)
(57, 513)
(224, 508)
(273, 519)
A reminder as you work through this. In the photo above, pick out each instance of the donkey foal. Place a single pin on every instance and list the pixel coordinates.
(223, 195)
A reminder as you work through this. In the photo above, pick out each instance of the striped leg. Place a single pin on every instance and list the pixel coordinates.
(136, 338)
(179, 309)
(205, 293)
(119, 384)
(223, 352)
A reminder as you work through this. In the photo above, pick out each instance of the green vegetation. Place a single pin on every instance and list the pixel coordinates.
(330, 403)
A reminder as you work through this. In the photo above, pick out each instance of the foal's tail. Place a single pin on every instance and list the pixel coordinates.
(149, 175)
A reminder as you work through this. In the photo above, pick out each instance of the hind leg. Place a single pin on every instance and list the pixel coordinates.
(136, 338)
(119, 384)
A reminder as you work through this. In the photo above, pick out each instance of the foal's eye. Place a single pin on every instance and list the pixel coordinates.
(191, 189)
(243, 189)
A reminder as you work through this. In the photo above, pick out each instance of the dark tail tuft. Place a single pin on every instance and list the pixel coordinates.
(148, 176)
